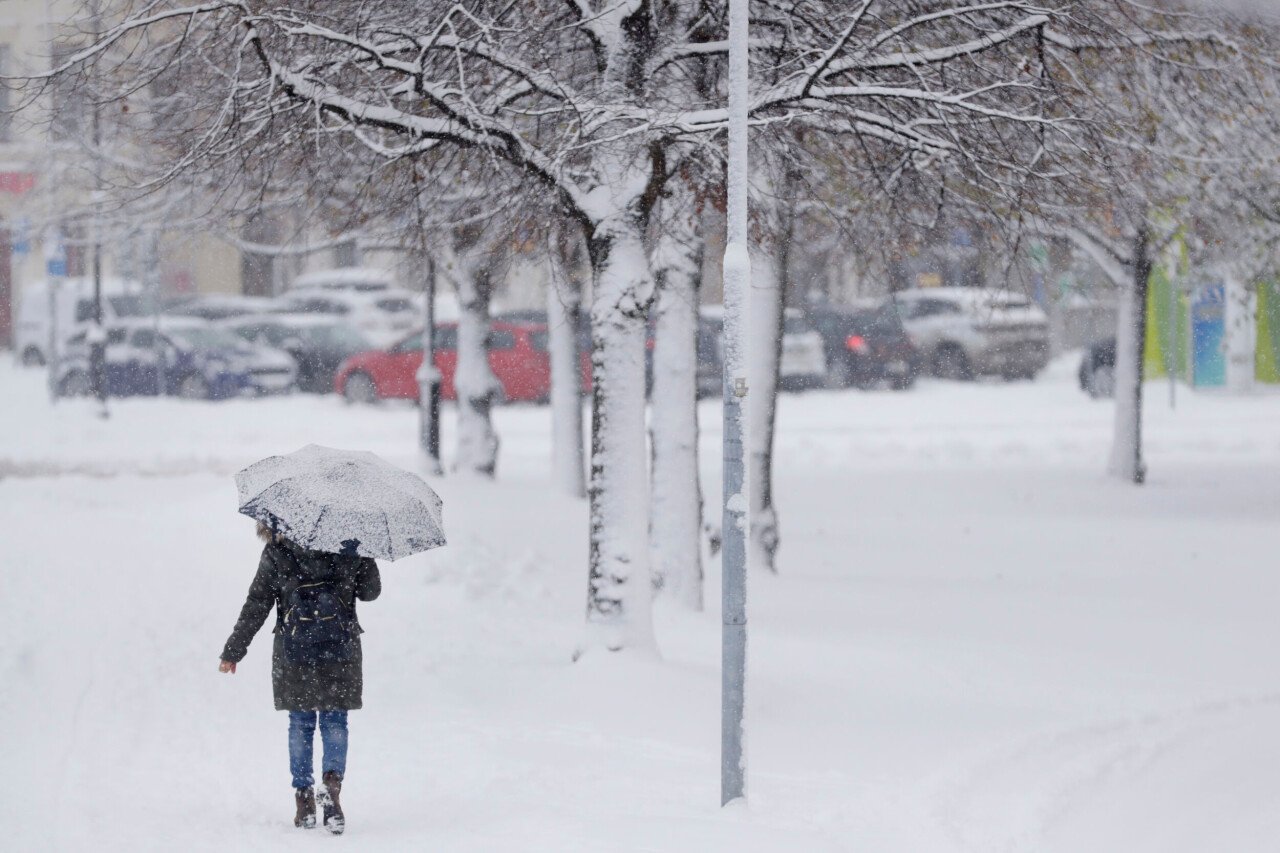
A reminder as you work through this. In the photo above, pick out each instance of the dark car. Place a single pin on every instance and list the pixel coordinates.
(709, 373)
(318, 344)
(865, 347)
(186, 359)
(1098, 369)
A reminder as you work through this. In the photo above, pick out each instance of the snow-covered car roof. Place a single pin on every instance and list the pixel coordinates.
(967, 295)
(83, 286)
(167, 323)
(355, 298)
(222, 299)
(294, 319)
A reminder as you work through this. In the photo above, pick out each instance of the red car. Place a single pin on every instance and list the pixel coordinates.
(518, 357)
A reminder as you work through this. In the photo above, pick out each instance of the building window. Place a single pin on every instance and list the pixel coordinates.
(346, 254)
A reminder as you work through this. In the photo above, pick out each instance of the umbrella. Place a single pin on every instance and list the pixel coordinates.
(342, 502)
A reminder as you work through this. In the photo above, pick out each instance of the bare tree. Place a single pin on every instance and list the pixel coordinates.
(591, 103)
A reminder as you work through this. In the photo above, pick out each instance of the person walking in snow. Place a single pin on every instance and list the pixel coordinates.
(316, 664)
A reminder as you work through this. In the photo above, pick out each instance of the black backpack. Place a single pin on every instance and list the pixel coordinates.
(318, 627)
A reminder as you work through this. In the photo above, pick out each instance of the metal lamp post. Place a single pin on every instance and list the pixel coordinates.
(737, 281)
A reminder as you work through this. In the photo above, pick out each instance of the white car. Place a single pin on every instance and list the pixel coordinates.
(804, 359)
(961, 332)
(62, 309)
(384, 316)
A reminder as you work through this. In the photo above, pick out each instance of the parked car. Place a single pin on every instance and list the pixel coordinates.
(965, 331)
(383, 316)
(542, 339)
(186, 358)
(709, 376)
(804, 361)
(1098, 369)
(317, 344)
(40, 313)
(518, 357)
(865, 347)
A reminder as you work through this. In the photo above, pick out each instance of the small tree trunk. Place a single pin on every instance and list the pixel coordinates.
(428, 376)
(768, 320)
(618, 588)
(676, 495)
(477, 388)
(1131, 337)
(1057, 269)
(564, 311)
(764, 359)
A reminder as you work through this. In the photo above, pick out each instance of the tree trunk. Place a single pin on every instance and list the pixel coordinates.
(428, 376)
(676, 495)
(618, 589)
(764, 359)
(564, 310)
(768, 320)
(476, 386)
(1131, 338)
(1056, 272)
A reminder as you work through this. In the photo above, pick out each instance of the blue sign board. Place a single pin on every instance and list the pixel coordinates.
(55, 256)
(1209, 337)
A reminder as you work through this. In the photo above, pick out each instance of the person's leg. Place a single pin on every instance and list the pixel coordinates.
(302, 729)
(333, 732)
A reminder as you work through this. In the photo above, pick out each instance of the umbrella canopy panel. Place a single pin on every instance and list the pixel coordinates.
(343, 502)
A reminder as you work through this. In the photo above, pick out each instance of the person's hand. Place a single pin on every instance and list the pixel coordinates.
(227, 666)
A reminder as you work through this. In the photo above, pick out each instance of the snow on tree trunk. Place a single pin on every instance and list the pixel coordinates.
(476, 386)
(1131, 334)
(675, 494)
(764, 357)
(618, 589)
(564, 311)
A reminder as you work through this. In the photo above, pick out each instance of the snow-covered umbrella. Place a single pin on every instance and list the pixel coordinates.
(343, 502)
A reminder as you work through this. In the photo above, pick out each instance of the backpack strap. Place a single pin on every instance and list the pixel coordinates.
(292, 576)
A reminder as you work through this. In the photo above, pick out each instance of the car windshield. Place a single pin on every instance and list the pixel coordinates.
(337, 337)
(132, 306)
(882, 319)
(796, 326)
(395, 305)
(206, 339)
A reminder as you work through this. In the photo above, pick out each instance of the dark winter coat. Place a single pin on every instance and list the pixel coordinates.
(329, 686)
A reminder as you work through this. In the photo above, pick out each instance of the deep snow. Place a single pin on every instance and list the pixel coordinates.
(976, 642)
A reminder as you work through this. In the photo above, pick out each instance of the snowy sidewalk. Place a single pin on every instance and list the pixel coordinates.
(976, 642)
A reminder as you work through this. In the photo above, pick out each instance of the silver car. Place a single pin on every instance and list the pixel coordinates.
(962, 332)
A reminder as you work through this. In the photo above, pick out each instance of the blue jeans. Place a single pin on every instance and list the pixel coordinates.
(333, 733)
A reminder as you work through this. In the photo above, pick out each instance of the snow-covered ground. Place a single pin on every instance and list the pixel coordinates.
(976, 642)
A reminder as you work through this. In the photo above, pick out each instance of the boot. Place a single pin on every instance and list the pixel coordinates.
(305, 799)
(334, 820)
